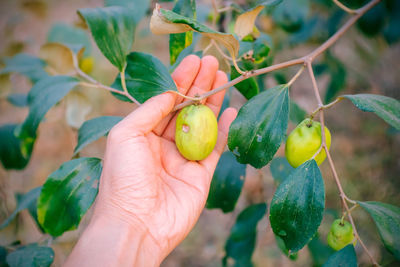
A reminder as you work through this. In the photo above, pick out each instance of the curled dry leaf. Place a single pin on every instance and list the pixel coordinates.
(244, 24)
(78, 107)
(59, 58)
(167, 22)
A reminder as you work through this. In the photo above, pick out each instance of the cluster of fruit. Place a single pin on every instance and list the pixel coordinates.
(196, 135)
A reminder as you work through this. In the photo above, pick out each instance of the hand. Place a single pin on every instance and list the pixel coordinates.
(147, 187)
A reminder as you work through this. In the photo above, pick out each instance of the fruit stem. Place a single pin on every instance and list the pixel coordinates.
(196, 98)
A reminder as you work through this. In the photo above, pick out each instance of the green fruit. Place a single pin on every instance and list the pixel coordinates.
(304, 141)
(340, 235)
(196, 132)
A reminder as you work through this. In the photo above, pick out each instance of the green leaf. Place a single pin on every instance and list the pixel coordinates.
(43, 95)
(260, 126)
(31, 255)
(281, 245)
(226, 184)
(372, 22)
(280, 169)
(71, 36)
(179, 41)
(113, 29)
(248, 88)
(32, 208)
(392, 31)
(338, 77)
(320, 252)
(298, 205)
(27, 65)
(184, 53)
(23, 203)
(167, 22)
(290, 15)
(296, 113)
(387, 220)
(385, 107)
(3, 255)
(346, 257)
(13, 155)
(67, 194)
(93, 129)
(18, 100)
(137, 8)
(146, 77)
(241, 242)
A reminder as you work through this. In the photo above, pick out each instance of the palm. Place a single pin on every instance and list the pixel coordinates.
(149, 180)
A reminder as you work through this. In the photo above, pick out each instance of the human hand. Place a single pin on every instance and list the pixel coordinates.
(146, 185)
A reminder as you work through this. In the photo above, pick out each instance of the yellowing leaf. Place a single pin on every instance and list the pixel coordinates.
(5, 84)
(244, 24)
(78, 107)
(58, 57)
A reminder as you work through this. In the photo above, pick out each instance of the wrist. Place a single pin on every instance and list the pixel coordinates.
(109, 241)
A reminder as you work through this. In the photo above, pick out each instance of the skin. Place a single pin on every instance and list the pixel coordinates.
(150, 197)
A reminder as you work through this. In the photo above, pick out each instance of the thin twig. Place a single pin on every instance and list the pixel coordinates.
(342, 195)
(355, 232)
(241, 78)
(337, 100)
(299, 72)
(103, 87)
(345, 8)
(353, 19)
(195, 98)
(98, 84)
(350, 210)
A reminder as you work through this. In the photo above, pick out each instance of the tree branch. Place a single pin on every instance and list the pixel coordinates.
(303, 60)
(342, 195)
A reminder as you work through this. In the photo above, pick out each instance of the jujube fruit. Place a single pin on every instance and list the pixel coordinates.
(196, 132)
(304, 141)
(86, 64)
(340, 235)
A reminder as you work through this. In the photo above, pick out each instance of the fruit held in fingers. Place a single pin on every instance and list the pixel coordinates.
(304, 141)
(340, 235)
(196, 132)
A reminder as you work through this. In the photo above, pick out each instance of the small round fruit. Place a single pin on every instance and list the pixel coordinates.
(196, 132)
(340, 235)
(86, 64)
(304, 141)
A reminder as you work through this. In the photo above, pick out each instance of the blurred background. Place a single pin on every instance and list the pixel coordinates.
(365, 149)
